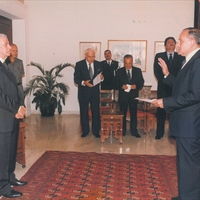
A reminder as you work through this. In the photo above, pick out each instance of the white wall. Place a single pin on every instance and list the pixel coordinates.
(17, 12)
(55, 29)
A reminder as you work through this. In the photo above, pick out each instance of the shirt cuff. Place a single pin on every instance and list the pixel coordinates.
(82, 83)
(166, 76)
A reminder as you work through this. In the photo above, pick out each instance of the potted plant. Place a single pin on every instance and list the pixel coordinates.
(48, 93)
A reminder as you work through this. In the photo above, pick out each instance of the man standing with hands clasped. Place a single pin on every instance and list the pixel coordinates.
(184, 118)
(11, 110)
(129, 82)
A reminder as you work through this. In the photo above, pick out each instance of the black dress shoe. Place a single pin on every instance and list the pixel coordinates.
(97, 136)
(18, 183)
(158, 137)
(136, 135)
(83, 135)
(13, 194)
(175, 198)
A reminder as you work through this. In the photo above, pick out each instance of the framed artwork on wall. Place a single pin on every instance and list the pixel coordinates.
(159, 47)
(137, 48)
(96, 46)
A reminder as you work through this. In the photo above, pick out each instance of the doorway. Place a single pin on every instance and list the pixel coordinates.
(6, 27)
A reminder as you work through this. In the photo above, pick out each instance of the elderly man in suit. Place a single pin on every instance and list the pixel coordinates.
(129, 81)
(11, 110)
(109, 68)
(85, 72)
(184, 118)
(173, 61)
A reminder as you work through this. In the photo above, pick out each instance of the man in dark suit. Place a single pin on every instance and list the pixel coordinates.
(184, 118)
(85, 72)
(109, 68)
(129, 81)
(11, 110)
(173, 61)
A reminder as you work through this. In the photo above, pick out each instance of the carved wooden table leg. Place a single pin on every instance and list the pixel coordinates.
(111, 122)
(21, 145)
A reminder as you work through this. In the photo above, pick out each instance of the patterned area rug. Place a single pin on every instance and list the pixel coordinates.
(93, 176)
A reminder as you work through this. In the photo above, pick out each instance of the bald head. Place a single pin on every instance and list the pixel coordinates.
(89, 55)
(13, 51)
(189, 40)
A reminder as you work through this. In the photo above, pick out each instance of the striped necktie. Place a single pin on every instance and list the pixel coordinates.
(129, 76)
(170, 59)
(90, 71)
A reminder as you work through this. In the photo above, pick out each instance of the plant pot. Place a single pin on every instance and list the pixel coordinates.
(47, 111)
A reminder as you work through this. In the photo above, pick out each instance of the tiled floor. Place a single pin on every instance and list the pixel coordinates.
(62, 132)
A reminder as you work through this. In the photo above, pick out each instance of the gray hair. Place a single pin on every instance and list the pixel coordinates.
(2, 35)
(88, 50)
(128, 56)
(193, 33)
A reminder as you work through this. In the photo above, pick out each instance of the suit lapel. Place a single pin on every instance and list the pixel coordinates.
(182, 71)
(85, 69)
(166, 58)
(125, 76)
(9, 74)
(97, 70)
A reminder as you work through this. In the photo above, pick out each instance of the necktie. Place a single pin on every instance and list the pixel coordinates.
(129, 76)
(109, 63)
(183, 63)
(170, 59)
(90, 71)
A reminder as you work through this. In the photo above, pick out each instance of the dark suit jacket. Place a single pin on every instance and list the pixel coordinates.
(121, 79)
(10, 99)
(109, 73)
(184, 103)
(164, 90)
(82, 74)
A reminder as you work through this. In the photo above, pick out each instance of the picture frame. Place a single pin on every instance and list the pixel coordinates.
(96, 46)
(159, 47)
(137, 48)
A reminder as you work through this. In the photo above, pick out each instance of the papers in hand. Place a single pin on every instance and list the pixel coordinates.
(129, 88)
(97, 79)
(145, 100)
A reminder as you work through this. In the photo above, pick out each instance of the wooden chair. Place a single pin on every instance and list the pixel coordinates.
(106, 100)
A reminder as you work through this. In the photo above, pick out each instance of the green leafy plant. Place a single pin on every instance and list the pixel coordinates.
(48, 93)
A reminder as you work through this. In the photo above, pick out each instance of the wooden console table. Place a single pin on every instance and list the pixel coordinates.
(21, 145)
(111, 122)
(146, 117)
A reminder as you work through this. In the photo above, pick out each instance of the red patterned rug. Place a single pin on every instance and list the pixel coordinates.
(100, 176)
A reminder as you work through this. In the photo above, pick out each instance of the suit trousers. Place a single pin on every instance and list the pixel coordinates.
(84, 106)
(5, 138)
(161, 115)
(132, 105)
(188, 168)
(13, 150)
